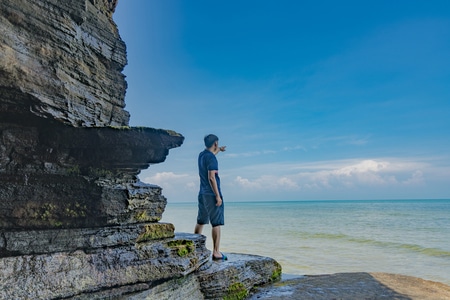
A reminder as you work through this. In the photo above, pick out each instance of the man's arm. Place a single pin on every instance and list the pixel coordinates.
(213, 183)
(219, 149)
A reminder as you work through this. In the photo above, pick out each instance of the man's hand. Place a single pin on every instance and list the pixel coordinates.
(222, 148)
(218, 201)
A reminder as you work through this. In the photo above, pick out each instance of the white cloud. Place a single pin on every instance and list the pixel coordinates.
(244, 154)
(172, 181)
(298, 147)
(337, 179)
(267, 182)
(336, 174)
(250, 154)
(246, 183)
(364, 166)
(287, 182)
(163, 177)
(416, 178)
(342, 140)
(352, 140)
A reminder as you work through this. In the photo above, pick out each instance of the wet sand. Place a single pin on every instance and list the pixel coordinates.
(353, 286)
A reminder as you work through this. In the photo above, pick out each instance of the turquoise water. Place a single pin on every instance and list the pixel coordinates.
(410, 237)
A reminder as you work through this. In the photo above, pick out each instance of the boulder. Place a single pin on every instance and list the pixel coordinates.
(237, 276)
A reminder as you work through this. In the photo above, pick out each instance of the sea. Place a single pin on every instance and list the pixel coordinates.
(409, 237)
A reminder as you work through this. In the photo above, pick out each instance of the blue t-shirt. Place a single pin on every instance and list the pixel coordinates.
(207, 161)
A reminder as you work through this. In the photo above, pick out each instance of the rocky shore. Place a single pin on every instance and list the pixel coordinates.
(75, 220)
(354, 286)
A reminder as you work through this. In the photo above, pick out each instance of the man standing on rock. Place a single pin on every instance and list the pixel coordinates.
(210, 201)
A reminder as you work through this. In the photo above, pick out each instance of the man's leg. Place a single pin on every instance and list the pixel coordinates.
(202, 215)
(198, 229)
(216, 241)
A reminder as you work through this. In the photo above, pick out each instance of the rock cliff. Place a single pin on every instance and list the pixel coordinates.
(63, 60)
(75, 221)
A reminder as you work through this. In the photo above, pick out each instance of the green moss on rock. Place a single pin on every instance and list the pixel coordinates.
(120, 127)
(141, 216)
(58, 214)
(183, 247)
(276, 275)
(100, 173)
(236, 291)
(156, 231)
(73, 170)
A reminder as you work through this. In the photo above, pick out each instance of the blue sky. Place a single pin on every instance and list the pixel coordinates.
(313, 99)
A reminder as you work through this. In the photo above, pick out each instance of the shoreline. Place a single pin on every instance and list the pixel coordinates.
(359, 285)
(288, 276)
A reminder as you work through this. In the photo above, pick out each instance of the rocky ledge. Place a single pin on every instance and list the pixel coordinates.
(179, 267)
(59, 176)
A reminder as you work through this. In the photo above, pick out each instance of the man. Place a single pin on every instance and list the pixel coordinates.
(210, 201)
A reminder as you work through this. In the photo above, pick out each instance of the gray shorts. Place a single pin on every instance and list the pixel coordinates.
(209, 212)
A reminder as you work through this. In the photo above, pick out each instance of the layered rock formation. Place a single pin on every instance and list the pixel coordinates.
(75, 221)
(67, 156)
(63, 60)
